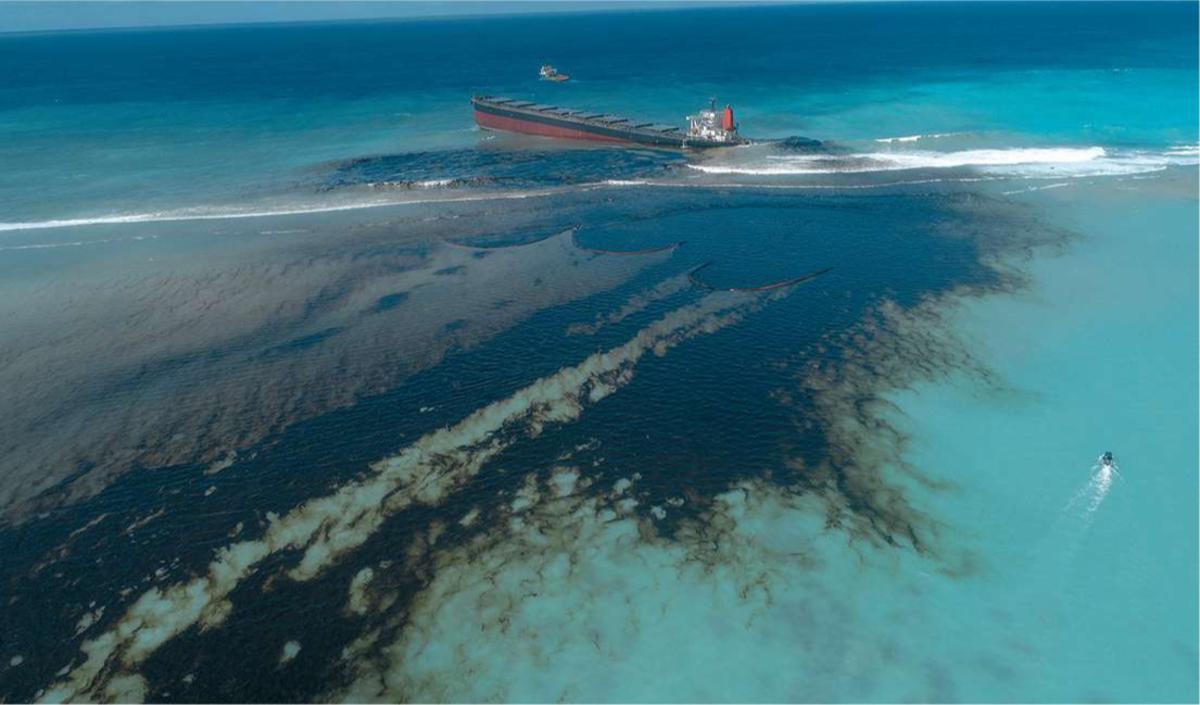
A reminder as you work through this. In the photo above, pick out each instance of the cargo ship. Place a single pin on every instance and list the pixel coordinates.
(708, 128)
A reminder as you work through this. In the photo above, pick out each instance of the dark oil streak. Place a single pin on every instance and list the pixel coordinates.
(627, 253)
(696, 281)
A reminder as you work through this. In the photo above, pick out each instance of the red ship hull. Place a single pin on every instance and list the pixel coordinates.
(529, 127)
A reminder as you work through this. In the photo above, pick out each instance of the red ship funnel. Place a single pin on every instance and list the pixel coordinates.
(727, 119)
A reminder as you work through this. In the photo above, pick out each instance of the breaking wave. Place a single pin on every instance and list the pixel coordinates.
(917, 138)
(422, 177)
(487, 174)
(1185, 150)
(1031, 162)
(189, 214)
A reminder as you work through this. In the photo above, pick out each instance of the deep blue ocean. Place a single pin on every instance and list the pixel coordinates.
(316, 391)
(129, 122)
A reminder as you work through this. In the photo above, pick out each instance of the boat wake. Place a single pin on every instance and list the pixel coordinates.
(1050, 575)
(1086, 502)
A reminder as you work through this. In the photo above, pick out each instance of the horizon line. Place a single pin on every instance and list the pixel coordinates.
(518, 8)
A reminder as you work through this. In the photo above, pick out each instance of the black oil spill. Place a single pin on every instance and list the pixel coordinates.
(740, 404)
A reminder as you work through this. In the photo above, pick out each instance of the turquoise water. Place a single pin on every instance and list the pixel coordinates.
(316, 391)
(1082, 585)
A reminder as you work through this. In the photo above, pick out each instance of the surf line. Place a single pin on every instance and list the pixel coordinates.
(696, 281)
(184, 216)
(325, 529)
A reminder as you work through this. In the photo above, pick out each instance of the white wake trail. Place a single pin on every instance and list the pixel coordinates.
(1088, 499)
(1070, 530)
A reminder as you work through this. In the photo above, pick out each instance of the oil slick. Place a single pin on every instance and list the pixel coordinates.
(277, 338)
(325, 529)
(742, 549)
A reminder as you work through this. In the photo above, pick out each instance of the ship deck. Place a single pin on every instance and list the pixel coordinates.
(601, 126)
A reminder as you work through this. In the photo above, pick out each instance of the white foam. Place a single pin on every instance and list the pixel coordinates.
(1034, 162)
(1037, 188)
(914, 138)
(989, 157)
(899, 161)
(1052, 162)
(224, 214)
(815, 186)
(1101, 483)
(1092, 495)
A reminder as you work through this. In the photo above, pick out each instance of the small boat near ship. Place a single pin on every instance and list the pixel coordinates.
(549, 73)
(706, 129)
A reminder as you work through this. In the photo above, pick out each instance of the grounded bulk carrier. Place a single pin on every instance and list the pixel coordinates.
(709, 128)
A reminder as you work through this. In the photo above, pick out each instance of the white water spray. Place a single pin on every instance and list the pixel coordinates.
(1088, 499)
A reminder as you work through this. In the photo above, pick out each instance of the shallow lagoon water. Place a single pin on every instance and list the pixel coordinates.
(498, 437)
(1081, 576)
